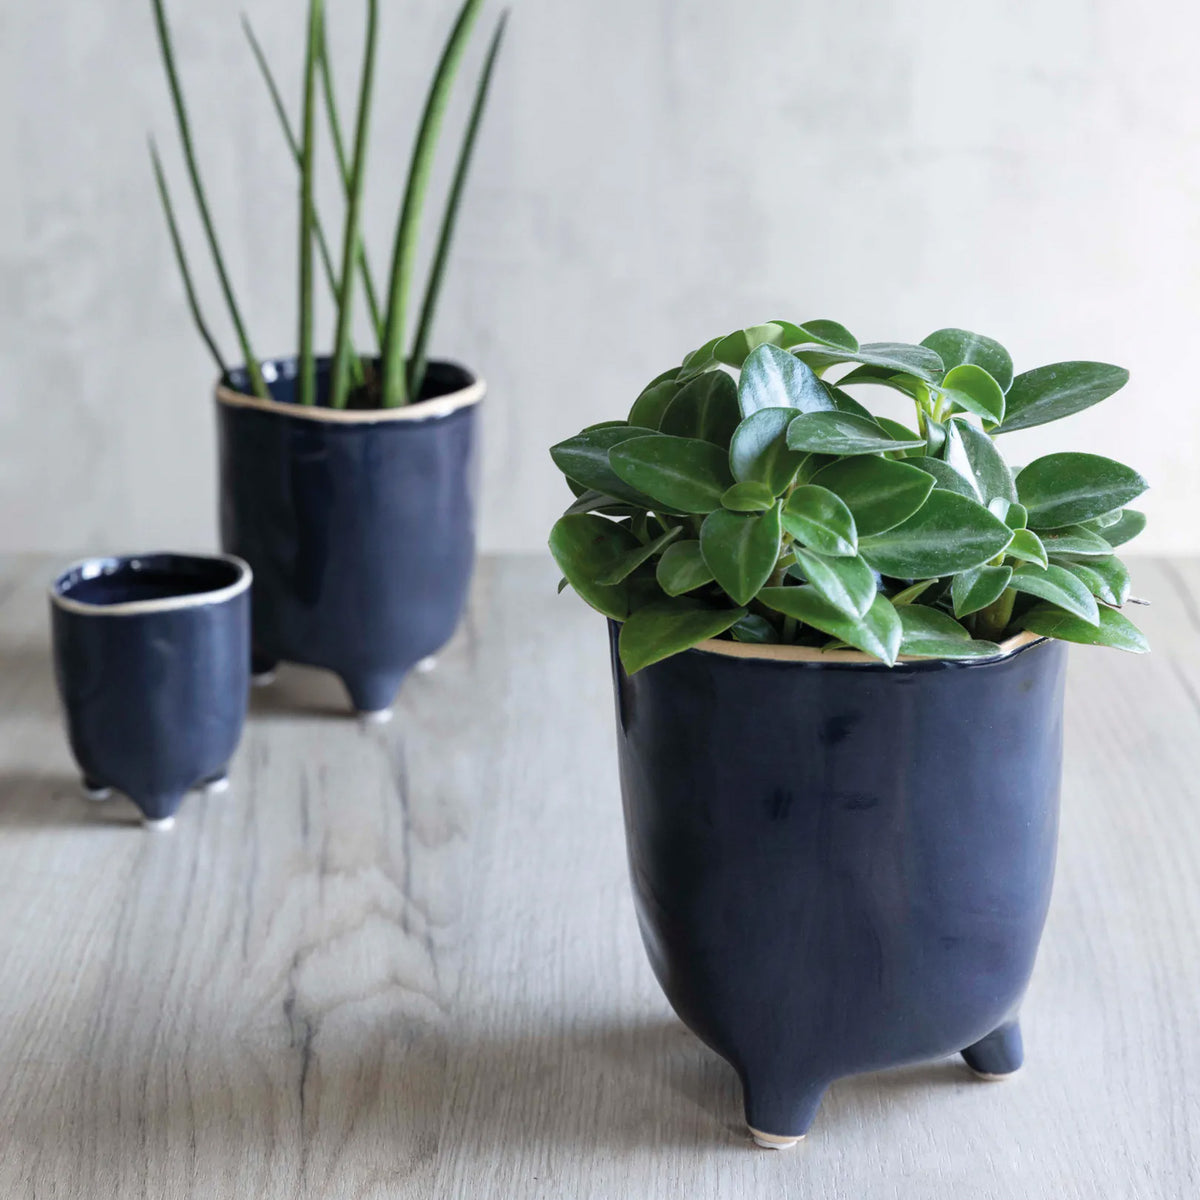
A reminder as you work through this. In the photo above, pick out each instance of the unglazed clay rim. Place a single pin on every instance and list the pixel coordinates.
(438, 406)
(131, 608)
(814, 654)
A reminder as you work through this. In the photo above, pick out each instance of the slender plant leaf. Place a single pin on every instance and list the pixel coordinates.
(898, 357)
(685, 474)
(970, 388)
(586, 547)
(1058, 586)
(956, 347)
(842, 433)
(748, 497)
(1106, 578)
(847, 583)
(669, 627)
(682, 568)
(879, 492)
(705, 407)
(930, 633)
(878, 633)
(307, 384)
(1048, 393)
(1077, 540)
(974, 456)
(632, 559)
(820, 519)
(773, 378)
(395, 370)
(253, 370)
(1066, 489)
(911, 593)
(740, 550)
(758, 451)
(975, 589)
(441, 254)
(1114, 628)
(1028, 547)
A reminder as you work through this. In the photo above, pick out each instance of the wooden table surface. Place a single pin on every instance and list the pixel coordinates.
(401, 961)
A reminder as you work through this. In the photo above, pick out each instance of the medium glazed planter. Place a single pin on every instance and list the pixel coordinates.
(359, 524)
(151, 660)
(840, 867)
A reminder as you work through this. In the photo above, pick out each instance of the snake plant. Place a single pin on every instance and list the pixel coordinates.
(393, 372)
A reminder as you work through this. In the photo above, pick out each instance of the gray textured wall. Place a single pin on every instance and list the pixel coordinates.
(652, 172)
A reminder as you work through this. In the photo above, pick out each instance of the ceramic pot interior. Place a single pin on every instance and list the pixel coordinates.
(102, 582)
(282, 379)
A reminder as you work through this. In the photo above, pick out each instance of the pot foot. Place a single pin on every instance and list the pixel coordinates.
(262, 670)
(771, 1141)
(779, 1112)
(378, 716)
(997, 1056)
(372, 695)
(218, 785)
(158, 824)
(426, 665)
(263, 679)
(96, 792)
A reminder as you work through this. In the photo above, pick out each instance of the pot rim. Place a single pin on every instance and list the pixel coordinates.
(127, 608)
(814, 654)
(421, 410)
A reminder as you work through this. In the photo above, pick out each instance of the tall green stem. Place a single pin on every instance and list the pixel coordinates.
(351, 243)
(185, 137)
(308, 362)
(395, 375)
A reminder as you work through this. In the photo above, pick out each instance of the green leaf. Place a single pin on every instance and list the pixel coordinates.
(820, 332)
(847, 583)
(1065, 489)
(898, 357)
(974, 456)
(949, 533)
(748, 497)
(820, 520)
(1076, 539)
(1059, 587)
(755, 629)
(1115, 629)
(741, 551)
(1107, 578)
(1048, 393)
(668, 627)
(699, 360)
(958, 346)
(1027, 546)
(946, 478)
(705, 408)
(879, 492)
(977, 588)
(972, 389)
(878, 633)
(648, 409)
(590, 500)
(734, 349)
(682, 568)
(1126, 529)
(917, 389)
(758, 451)
(842, 433)
(1014, 515)
(586, 547)
(584, 458)
(900, 432)
(846, 403)
(912, 592)
(632, 559)
(930, 633)
(773, 378)
(683, 473)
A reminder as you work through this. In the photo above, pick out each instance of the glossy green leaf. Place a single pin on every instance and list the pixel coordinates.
(1048, 393)
(682, 568)
(584, 458)
(632, 559)
(699, 360)
(755, 629)
(879, 492)
(911, 593)
(977, 588)
(741, 551)
(648, 409)
(974, 456)
(1059, 587)
(847, 583)
(930, 633)
(1065, 489)
(590, 500)
(773, 378)
(586, 547)
(1131, 523)
(819, 519)
(758, 451)
(1106, 578)
(1115, 629)
(918, 389)
(668, 627)
(970, 388)
(706, 407)
(1027, 546)
(748, 497)
(949, 533)
(1014, 515)
(819, 332)
(686, 474)
(900, 432)
(945, 477)
(734, 349)
(1076, 539)
(878, 633)
(841, 433)
(899, 357)
(958, 346)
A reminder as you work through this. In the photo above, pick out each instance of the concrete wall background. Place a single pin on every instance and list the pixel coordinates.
(652, 172)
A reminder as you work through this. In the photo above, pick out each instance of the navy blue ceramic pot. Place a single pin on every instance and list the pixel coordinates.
(359, 524)
(840, 867)
(151, 658)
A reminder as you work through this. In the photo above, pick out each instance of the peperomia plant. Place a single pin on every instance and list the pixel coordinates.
(394, 373)
(749, 496)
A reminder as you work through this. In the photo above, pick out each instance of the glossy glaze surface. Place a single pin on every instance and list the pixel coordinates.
(361, 532)
(151, 661)
(840, 868)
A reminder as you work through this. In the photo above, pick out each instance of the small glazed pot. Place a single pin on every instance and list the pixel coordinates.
(359, 524)
(151, 659)
(840, 867)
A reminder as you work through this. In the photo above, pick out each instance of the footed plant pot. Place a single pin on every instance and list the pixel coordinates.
(359, 524)
(151, 660)
(840, 867)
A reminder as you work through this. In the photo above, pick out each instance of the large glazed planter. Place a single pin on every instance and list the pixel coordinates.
(359, 524)
(840, 867)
